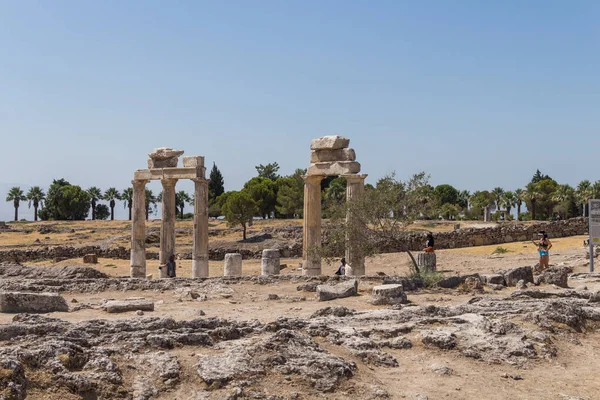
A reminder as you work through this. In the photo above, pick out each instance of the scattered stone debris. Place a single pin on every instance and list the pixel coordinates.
(343, 289)
(37, 303)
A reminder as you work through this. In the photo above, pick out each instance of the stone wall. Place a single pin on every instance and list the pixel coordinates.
(291, 245)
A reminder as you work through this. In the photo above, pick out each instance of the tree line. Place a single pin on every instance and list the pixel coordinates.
(270, 195)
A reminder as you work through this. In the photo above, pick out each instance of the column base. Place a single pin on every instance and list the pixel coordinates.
(200, 268)
(137, 271)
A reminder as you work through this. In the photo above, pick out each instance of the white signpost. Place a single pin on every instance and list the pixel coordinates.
(594, 217)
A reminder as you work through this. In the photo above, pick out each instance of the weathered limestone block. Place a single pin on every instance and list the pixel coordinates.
(329, 143)
(332, 155)
(193, 161)
(555, 276)
(388, 294)
(119, 306)
(427, 262)
(148, 174)
(90, 259)
(339, 291)
(164, 157)
(270, 262)
(514, 275)
(494, 279)
(21, 302)
(473, 283)
(334, 168)
(232, 265)
(184, 173)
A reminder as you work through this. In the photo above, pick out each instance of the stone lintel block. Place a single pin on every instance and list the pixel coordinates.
(184, 173)
(193, 161)
(332, 155)
(148, 174)
(163, 163)
(334, 168)
(329, 143)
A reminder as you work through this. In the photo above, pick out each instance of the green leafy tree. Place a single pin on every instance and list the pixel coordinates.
(127, 197)
(532, 195)
(102, 212)
(181, 198)
(449, 211)
(16, 195)
(239, 209)
(336, 192)
(263, 192)
(74, 203)
(111, 195)
(95, 195)
(51, 211)
(216, 186)
(584, 193)
(447, 194)
(268, 171)
(151, 201)
(481, 201)
(539, 197)
(538, 176)
(290, 195)
(36, 196)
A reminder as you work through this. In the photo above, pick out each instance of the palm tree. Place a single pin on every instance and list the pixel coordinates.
(181, 198)
(509, 200)
(111, 195)
(150, 200)
(564, 193)
(584, 194)
(127, 197)
(532, 193)
(36, 196)
(95, 195)
(16, 195)
(519, 199)
(463, 199)
(498, 194)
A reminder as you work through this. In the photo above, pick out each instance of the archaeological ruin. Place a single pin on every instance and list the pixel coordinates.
(330, 156)
(163, 166)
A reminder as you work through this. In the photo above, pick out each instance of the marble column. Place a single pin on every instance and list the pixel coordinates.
(200, 251)
(354, 258)
(312, 225)
(167, 229)
(138, 230)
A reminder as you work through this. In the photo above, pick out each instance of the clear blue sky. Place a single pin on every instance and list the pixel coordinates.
(477, 93)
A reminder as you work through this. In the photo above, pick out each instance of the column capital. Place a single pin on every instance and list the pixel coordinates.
(354, 177)
(141, 182)
(313, 178)
(170, 182)
(200, 180)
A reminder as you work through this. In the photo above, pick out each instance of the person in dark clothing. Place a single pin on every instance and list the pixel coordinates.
(342, 269)
(429, 243)
(171, 267)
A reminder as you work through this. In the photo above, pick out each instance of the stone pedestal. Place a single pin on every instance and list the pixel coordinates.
(167, 229)
(270, 262)
(232, 265)
(354, 257)
(426, 262)
(200, 250)
(312, 225)
(138, 230)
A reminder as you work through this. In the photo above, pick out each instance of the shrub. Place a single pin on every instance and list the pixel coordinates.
(500, 250)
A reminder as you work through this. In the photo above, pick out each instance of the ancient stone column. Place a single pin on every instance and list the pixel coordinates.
(167, 229)
(355, 188)
(138, 230)
(270, 262)
(200, 251)
(312, 225)
(232, 265)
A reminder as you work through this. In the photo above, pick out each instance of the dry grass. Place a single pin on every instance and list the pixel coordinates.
(572, 242)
